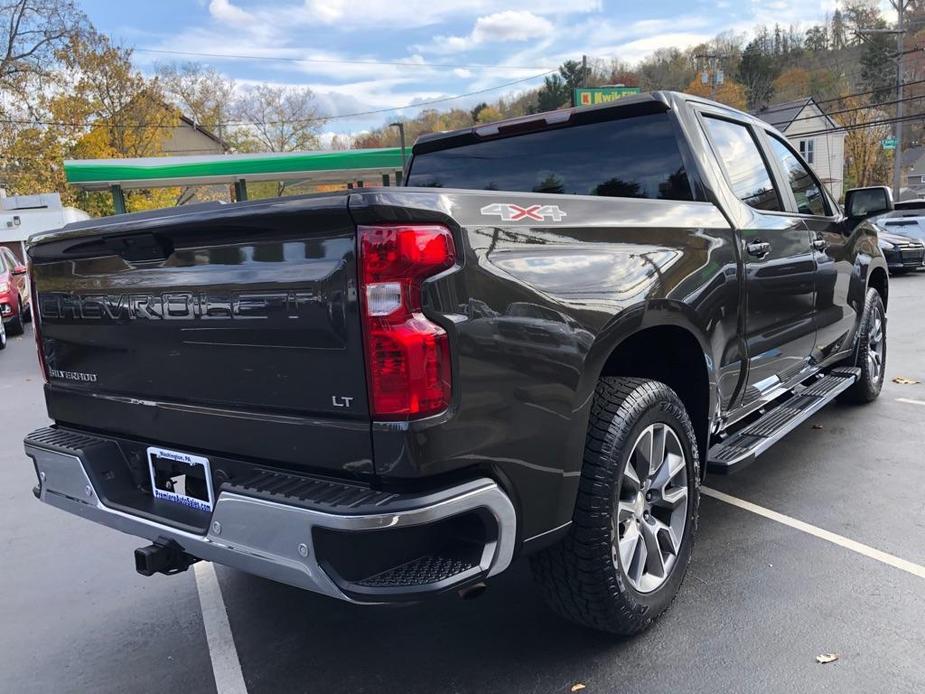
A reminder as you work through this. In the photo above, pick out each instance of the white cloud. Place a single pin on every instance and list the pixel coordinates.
(634, 51)
(423, 12)
(510, 26)
(500, 27)
(227, 13)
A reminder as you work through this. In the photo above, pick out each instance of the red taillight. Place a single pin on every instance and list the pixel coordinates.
(407, 356)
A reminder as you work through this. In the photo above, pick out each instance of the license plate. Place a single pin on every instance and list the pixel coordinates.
(181, 478)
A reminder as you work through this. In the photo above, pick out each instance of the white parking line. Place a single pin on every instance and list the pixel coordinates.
(225, 664)
(910, 401)
(866, 550)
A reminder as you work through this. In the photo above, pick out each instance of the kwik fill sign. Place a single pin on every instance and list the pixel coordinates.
(601, 95)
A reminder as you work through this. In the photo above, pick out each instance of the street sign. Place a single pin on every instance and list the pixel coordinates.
(888, 143)
(601, 95)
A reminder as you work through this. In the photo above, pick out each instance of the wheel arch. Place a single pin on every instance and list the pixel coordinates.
(878, 279)
(661, 341)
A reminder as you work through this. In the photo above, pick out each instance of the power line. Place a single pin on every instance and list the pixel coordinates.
(843, 97)
(316, 119)
(866, 124)
(434, 101)
(340, 61)
(862, 108)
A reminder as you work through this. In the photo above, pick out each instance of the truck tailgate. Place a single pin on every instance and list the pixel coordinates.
(243, 318)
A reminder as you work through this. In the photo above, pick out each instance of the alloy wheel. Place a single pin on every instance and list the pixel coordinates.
(875, 345)
(648, 523)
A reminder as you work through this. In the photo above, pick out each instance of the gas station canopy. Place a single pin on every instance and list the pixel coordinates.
(155, 172)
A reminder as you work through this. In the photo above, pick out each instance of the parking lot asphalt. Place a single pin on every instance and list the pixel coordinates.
(760, 602)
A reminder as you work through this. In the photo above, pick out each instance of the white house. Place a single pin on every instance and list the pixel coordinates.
(24, 215)
(913, 167)
(823, 151)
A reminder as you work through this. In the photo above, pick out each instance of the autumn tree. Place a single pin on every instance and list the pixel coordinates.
(31, 34)
(110, 111)
(476, 110)
(277, 119)
(340, 143)
(617, 71)
(201, 93)
(866, 163)
(729, 92)
(489, 114)
(817, 38)
(666, 68)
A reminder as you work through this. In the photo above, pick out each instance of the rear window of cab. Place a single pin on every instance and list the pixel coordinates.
(635, 157)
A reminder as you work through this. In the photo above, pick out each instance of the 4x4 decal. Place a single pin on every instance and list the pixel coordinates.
(514, 213)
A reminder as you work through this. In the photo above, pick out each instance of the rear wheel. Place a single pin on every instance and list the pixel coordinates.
(871, 351)
(633, 528)
(2, 335)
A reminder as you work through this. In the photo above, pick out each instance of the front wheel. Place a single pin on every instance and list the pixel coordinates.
(870, 356)
(635, 518)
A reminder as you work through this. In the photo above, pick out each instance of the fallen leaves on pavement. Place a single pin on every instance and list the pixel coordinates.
(904, 381)
(824, 658)
(577, 687)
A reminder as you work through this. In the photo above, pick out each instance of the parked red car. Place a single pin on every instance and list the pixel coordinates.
(14, 293)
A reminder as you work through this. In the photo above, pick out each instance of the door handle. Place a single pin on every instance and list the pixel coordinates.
(758, 248)
(820, 244)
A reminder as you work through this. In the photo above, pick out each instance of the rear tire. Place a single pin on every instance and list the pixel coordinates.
(596, 576)
(870, 356)
(2, 336)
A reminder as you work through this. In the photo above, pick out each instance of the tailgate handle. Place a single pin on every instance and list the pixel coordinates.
(140, 247)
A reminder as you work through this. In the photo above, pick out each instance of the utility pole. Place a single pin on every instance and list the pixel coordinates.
(713, 75)
(584, 71)
(900, 31)
(401, 134)
(900, 6)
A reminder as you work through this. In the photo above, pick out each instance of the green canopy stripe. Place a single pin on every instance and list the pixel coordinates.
(87, 171)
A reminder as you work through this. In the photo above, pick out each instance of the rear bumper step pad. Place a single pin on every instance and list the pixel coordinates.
(744, 446)
(257, 529)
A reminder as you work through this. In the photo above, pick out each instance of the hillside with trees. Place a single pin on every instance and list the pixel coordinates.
(68, 92)
(851, 72)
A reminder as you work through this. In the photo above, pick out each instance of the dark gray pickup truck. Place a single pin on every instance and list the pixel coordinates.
(537, 347)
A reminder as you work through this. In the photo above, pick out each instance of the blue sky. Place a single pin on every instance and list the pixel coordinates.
(442, 48)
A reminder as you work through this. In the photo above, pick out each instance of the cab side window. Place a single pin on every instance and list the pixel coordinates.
(751, 181)
(805, 187)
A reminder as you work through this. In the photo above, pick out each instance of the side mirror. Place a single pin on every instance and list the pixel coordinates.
(861, 203)
(19, 270)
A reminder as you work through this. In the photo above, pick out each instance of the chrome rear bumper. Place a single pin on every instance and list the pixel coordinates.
(267, 538)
